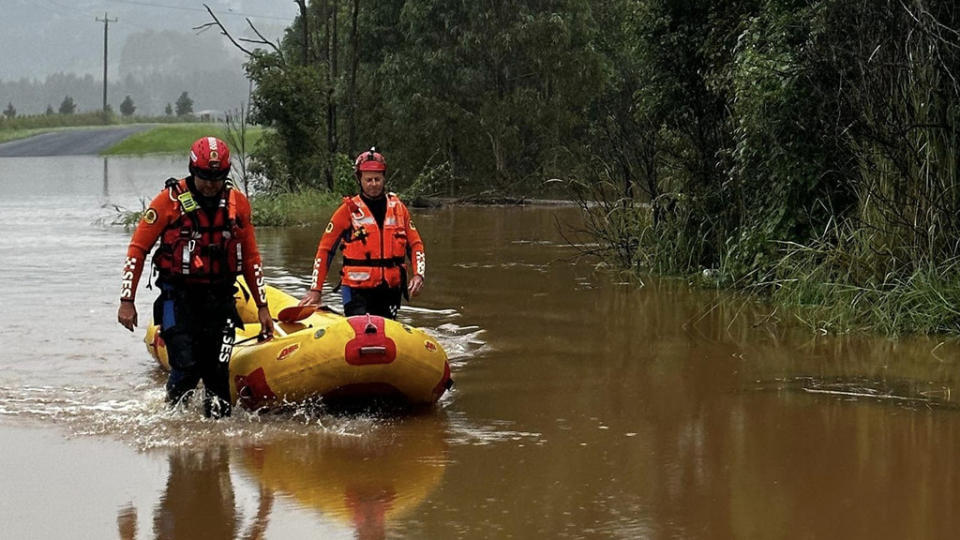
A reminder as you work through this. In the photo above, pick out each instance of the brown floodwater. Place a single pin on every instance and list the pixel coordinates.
(586, 405)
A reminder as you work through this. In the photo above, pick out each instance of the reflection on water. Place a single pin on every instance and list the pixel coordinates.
(363, 482)
(198, 501)
(585, 407)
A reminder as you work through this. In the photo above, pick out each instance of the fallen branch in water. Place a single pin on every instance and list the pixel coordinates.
(864, 395)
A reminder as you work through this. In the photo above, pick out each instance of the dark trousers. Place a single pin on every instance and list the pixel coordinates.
(198, 327)
(383, 301)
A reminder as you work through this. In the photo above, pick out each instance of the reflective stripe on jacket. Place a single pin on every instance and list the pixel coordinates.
(221, 247)
(371, 256)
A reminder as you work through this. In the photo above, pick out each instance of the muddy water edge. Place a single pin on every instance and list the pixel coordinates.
(584, 407)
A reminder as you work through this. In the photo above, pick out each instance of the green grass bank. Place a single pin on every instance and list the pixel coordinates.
(175, 138)
(21, 127)
(269, 209)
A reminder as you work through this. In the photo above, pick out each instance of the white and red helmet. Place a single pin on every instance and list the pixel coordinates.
(369, 160)
(210, 158)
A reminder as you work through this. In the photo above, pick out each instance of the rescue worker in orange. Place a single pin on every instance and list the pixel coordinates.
(206, 240)
(374, 230)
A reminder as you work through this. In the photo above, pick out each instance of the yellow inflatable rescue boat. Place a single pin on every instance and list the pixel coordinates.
(327, 355)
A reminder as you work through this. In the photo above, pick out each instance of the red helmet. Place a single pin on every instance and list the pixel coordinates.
(210, 158)
(370, 160)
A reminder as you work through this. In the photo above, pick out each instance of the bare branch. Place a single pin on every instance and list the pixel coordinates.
(223, 30)
(265, 41)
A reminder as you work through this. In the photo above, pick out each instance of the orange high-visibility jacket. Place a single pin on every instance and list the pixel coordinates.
(370, 256)
(193, 247)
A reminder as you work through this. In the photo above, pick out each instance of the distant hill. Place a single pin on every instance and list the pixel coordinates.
(54, 48)
(39, 38)
(155, 68)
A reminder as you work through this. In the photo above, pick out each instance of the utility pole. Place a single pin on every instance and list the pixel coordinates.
(106, 25)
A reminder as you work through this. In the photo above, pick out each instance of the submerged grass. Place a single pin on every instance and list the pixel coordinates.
(288, 209)
(923, 303)
(833, 292)
(269, 210)
(849, 280)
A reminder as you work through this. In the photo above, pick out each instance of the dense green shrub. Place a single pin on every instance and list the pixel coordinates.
(803, 149)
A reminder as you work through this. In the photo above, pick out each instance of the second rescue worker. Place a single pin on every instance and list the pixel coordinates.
(206, 240)
(377, 235)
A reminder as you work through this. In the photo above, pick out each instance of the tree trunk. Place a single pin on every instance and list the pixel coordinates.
(305, 29)
(325, 18)
(334, 40)
(330, 48)
(352, 85)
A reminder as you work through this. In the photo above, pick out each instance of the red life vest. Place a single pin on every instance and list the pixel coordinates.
(372, 256)
(194, 247)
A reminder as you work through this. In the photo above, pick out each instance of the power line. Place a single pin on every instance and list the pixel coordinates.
(69, 8)
(184, 8)
(86, 10)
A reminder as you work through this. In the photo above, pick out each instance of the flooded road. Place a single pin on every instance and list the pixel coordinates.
(69, 142)
(584, 406)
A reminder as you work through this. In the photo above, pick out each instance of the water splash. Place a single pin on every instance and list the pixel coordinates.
(143, 418)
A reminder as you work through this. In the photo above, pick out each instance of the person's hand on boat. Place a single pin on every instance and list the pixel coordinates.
(311, 299)
(415, 285)
(127, 315)
(266, 322)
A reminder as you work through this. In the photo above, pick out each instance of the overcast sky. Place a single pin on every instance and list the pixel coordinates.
(41, 37)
